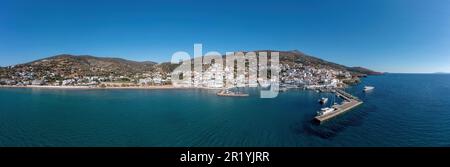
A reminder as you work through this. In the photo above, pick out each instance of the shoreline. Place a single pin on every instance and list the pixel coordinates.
(161, 87)
(94, 88)
(106, 88)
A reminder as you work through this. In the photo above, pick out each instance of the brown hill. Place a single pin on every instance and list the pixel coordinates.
(85, 65)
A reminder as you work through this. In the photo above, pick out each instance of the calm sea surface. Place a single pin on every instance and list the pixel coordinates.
(403, 110)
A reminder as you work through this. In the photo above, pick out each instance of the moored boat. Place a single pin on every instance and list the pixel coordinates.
(231, 93)
(325, 111)
(323, 100)
(368, 88)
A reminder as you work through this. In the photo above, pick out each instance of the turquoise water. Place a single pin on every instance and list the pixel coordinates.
(403, 110)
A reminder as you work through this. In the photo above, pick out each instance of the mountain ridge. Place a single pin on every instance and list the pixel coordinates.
(63, 66)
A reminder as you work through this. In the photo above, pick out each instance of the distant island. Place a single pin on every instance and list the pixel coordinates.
(84, 71)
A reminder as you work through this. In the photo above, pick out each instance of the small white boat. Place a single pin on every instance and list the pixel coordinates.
(325, 111)
(368, 88)
(231, 93)
(323, 100)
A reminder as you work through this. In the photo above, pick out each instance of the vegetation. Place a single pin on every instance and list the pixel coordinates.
(71, 69)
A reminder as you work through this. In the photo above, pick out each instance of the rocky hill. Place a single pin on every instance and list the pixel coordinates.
(363, 70)
(84, 65)
(69, 66)
(297, 57)
(300, 57)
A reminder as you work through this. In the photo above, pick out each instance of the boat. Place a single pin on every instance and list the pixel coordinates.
(368, 88)
(264, 84)
(283, 89)
(325, 111)
(323, 100)
(291, 86)
(231, 93)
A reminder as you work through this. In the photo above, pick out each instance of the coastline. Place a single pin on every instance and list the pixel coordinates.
(90, 87)
(120, 87)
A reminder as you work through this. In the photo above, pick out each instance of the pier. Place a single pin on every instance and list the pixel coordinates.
(349, 103)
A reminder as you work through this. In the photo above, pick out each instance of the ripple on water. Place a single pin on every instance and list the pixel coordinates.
(403, 110)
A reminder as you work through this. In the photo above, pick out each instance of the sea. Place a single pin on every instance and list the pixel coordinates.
(402, 110)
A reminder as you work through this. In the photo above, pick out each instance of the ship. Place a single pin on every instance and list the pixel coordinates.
(283, 89)
(231, 93)
(368, 88)
(325, 111)
(323, 100)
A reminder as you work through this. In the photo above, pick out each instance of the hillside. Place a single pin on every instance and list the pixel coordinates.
(363, 70)
(297, 57)
(63, 67)
(84, 65)
(300, 57)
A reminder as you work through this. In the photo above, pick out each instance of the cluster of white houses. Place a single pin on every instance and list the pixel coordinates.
(312, 77)
(215, 76)
(49, 78)
(294, 76)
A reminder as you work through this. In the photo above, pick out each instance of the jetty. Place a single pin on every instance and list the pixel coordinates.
(349, 103)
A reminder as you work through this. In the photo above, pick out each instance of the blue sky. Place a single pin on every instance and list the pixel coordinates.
(384, 35)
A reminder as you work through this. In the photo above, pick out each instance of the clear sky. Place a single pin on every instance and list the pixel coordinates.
(384, 35)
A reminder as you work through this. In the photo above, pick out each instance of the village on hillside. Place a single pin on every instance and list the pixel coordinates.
(291, 76)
